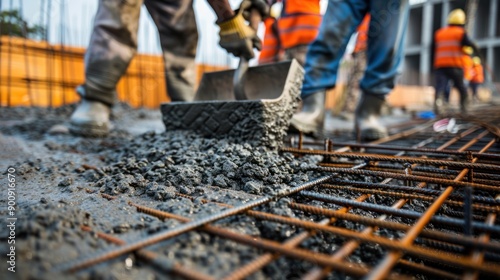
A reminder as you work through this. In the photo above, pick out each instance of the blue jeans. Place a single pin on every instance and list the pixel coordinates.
(386, 38)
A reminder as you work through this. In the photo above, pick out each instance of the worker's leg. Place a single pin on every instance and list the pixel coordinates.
(322, 61)
(386, 39)
(298, 52)
(474, 87)
(359, 66)
(447, 92)
(111, 48)
(325, 53)
(442, 90)
(176, 24)
(457, 77)
(112, 45)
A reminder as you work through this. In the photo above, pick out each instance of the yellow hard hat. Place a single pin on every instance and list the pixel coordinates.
(275, 10)
(476, 60)
(468, 50)
(456, 16)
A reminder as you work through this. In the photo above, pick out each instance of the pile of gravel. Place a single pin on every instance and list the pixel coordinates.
(160, 165)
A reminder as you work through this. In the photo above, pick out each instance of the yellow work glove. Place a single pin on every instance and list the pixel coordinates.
(237, 37)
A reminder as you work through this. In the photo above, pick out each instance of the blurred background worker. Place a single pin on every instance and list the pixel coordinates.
(271, 51)
(449, 59)
(386, 34)
(477, 77)
(114, 43)
(296, 25)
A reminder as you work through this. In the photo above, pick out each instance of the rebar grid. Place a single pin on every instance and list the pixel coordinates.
(432, 238)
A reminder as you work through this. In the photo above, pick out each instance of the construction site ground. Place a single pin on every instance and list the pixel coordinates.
(73, 193)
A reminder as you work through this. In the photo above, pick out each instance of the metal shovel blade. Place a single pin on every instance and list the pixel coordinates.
(272, 93)
(239, 75)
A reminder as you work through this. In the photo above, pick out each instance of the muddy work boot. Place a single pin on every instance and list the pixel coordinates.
(90, 119)
(366, 123)
(464, 104)
(311, 118)
(440, 105)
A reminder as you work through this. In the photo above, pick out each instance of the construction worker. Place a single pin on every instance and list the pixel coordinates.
(296, 27)
(351, 94)
(477, 76)
(449, 59)
(467, 66)
(384, 54)
(271, 46)
(114, 43)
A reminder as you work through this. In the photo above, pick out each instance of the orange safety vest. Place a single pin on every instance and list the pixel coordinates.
(448, 52)
(271, 45)
(299, 22)
(468, 66)
(478, 74)
(362, 39)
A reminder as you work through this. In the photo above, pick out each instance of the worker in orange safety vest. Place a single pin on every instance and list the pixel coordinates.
(449, 59)
(297, 26)
(271, 46)
(467, 66)
(477, 76)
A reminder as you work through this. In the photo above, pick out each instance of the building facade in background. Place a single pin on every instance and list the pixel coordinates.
(428, 16)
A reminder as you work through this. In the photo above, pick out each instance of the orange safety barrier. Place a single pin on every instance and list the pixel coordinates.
(35, 73)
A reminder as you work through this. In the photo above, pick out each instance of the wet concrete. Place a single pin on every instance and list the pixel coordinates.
(61, 180)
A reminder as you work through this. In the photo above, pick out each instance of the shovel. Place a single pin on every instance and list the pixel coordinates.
(251, 105)
(239, 74)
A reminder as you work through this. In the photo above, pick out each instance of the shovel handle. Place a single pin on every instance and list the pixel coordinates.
(255, 19)
(239, 91)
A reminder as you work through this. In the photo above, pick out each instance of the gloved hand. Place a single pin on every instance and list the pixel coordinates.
(259, 5)
(237, 37)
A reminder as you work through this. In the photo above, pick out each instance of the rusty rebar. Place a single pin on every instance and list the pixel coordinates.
(406, 195)
(435, 255)
(264, 259)
(169, 233)
(390, 158)
(351, 245)
(398, 176)
(314, 257)
(397, 212)
(428, 270)
(478, 256)
(153, 258)
(384, 267)
(369, 185)
(434, 234)
(426, 151)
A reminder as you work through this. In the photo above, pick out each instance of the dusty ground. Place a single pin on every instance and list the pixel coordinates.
(60, 179)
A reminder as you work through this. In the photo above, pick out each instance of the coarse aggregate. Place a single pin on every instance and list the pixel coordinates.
(62, 180)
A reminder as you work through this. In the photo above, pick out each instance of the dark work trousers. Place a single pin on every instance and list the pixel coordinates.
(474, 86)
(456, 76)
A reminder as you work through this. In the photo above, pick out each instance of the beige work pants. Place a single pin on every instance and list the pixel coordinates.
(114, 43)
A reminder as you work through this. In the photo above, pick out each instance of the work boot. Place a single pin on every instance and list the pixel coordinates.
(366, 122)
(90, 119)
(464, 104)
(439, 104)
(311, 118)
